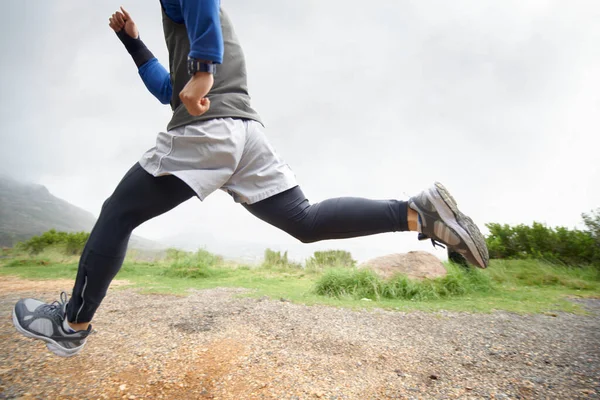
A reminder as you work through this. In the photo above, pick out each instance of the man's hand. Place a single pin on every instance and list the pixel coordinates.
(193, 95)
(122, 19)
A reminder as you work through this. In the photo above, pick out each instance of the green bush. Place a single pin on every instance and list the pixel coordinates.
(330, 258)
(75, 242)
(68, 243)
(556, 245)
(364, 283)
(201, 264)
(173, 254)
(274, 259)
(592, 223)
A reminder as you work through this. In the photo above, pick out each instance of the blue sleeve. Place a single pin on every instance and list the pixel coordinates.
(157, 79)
(203, 24)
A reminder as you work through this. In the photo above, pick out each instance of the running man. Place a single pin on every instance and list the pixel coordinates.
(215, 140)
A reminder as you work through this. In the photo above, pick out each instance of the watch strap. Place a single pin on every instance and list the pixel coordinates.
(194, 66)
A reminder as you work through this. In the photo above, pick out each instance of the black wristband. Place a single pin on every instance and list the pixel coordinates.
(136, 48)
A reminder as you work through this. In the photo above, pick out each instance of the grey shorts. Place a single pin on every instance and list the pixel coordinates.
(229, 154)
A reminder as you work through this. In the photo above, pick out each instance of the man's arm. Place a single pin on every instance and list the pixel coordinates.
(153, 74)
(157, 80)
(203, 24)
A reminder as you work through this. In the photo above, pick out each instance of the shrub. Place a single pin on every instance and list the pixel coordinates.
(173, 254)
(75, 242)
(68, 243)
(364, 283)
(361, 283)
(592, 223)
(274, 259)
(331, 258)
(201, 264)
(559, 245)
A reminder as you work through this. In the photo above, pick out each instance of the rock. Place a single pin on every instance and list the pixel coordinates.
(535, 379)
(414, 264)
(399, 373)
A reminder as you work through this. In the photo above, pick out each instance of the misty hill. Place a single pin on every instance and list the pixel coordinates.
(28, 209)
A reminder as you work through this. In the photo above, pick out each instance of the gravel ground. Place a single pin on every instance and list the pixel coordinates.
(215, 345)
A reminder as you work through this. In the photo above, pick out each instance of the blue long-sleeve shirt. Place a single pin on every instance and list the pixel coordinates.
(202, 22)
(201, 19)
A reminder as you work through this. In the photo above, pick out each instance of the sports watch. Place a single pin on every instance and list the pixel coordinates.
(194, 66)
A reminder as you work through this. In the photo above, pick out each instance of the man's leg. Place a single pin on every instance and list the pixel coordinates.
(338, 218)
(138, 198)
(433, 213)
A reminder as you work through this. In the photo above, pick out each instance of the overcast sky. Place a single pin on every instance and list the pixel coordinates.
(499, 100)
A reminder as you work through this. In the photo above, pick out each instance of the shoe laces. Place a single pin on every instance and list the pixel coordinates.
(434, 242)
(56, 307)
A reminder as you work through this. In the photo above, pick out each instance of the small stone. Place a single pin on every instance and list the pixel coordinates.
(535, 379)
(434, 377)
(122, 387)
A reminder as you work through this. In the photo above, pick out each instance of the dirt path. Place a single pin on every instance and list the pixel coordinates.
(214, 345)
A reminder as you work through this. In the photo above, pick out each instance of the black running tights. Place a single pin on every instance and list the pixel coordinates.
(140, 197)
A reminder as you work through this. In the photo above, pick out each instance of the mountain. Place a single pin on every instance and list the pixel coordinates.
(28, 209)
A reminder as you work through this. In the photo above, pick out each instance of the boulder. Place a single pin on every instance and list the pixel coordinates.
(414, 264)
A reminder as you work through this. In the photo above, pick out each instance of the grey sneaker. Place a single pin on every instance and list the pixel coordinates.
(441, 221)
(38, 320)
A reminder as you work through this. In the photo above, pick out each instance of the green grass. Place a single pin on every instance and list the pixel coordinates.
(533, 273)
(522, 286)
(362, 283)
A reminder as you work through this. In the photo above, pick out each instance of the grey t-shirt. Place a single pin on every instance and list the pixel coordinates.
(229, 96)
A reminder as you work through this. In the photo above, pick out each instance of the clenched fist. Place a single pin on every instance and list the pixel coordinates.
(122, 19)
(193, 95)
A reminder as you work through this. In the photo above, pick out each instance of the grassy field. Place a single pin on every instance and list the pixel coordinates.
(528, 286)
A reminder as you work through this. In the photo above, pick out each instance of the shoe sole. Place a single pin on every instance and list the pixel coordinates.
(464, 227)
(51, 344)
